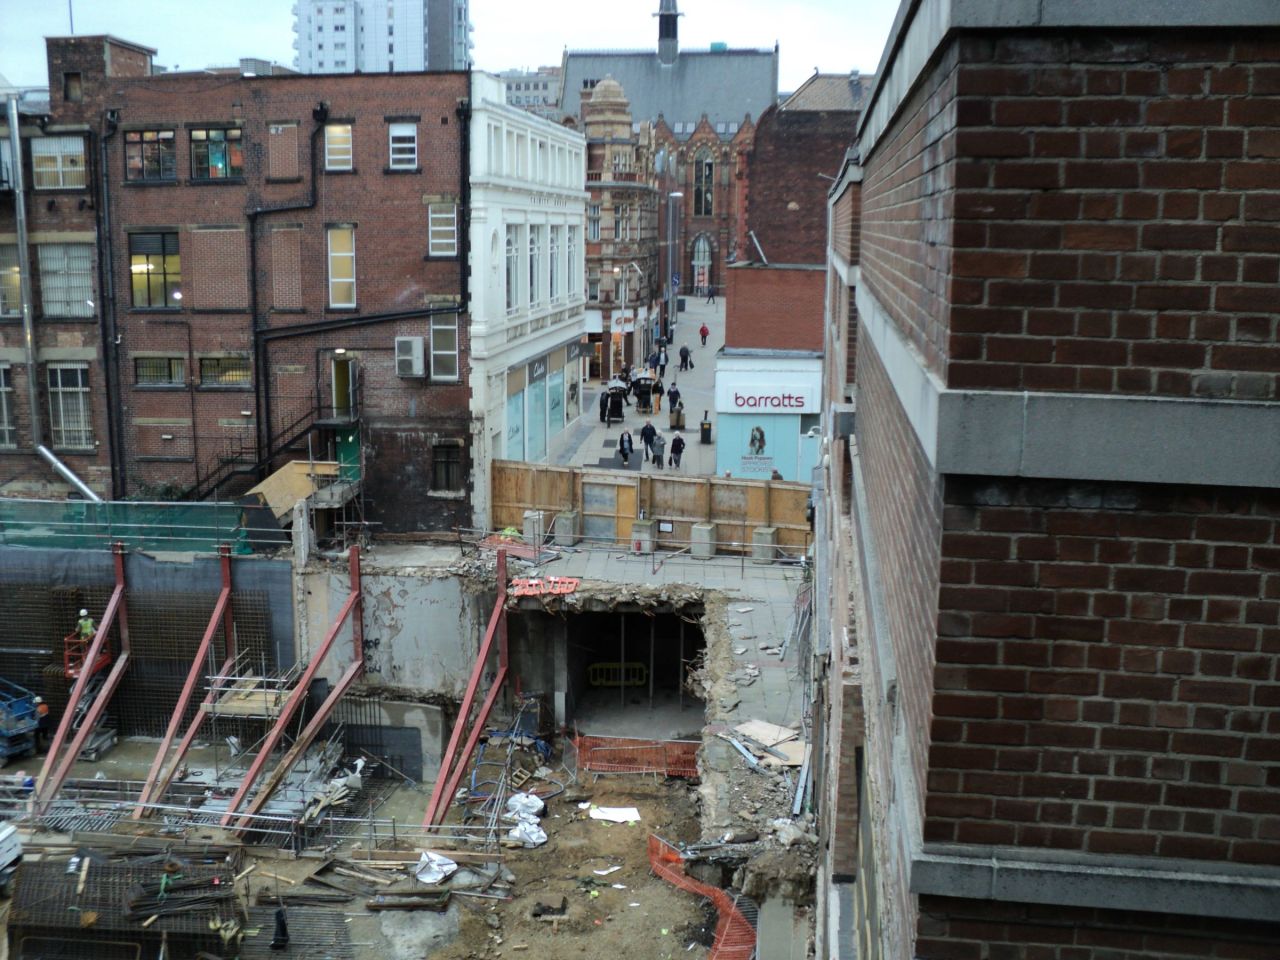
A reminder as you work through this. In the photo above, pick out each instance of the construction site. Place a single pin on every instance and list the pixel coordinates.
(587, 731)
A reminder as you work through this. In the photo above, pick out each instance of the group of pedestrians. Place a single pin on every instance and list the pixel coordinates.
(655, 447)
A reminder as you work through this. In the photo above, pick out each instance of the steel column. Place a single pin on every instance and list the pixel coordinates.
(440, 797)
(299, 694)
(52, 773)
(221, 615)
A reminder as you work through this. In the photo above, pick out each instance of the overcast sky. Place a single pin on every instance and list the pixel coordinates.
(833, 35)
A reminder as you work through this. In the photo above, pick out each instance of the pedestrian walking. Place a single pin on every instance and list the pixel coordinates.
(647, 433)
(657, 395)
(662, 362)
(684, 358)
(625, 446)
(711, 294)
(673, 395)
(659, 450)
(704, 331)
(652, 362)
(677, 449)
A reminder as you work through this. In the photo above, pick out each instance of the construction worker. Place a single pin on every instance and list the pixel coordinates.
(85, 626)
(42, 724)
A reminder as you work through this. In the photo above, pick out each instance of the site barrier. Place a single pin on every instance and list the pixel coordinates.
(736, 927)
(671, 758)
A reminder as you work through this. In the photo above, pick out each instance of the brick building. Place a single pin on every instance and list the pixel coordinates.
(59, 158)
(1060, 497)
(287, 278)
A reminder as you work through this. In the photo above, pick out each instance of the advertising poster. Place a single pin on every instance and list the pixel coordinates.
(515, 427)
(753, 446)
(555, 402)
(536, 440)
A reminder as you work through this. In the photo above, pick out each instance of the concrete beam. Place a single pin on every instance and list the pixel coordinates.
(1158, 885)
(1074, 436)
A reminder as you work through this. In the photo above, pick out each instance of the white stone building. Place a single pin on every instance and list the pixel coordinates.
(381, 36)
(528, 322)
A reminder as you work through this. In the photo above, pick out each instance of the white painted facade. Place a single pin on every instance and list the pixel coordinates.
(527, 292)
(380, 36)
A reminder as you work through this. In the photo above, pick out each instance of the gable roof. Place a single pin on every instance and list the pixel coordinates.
(726, 85)
(830, 91)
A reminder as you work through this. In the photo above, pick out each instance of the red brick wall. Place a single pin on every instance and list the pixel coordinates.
(1107, 670)
(846, 223)
(953, 929)
(788, 204)
(1112, 231)
(774, 307)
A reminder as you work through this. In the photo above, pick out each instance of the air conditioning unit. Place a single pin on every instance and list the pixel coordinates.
(411, 358)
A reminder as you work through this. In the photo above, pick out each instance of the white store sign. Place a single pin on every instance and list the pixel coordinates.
(742, 391)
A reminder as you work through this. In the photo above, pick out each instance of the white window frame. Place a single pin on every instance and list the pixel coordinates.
(57, 163)
(535, 263)
(402, 143)
(513, 254)
(10, 279)
(442, 230)
(554, 291)
(74, 287)
(336, 279)
(69, 403)
(571, 274)
(337, 155)
(442, 355)
(8, 417)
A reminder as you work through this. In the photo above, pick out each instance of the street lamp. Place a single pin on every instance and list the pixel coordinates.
(619, 274)
(671, 287)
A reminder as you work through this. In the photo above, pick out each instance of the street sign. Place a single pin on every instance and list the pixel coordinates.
(675, 279)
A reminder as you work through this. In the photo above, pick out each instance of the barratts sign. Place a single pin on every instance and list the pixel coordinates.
(760, 392)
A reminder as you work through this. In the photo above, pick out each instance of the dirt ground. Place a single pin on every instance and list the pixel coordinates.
(647, 919)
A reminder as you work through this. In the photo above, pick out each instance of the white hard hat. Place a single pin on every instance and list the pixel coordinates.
(84, 613)
(39, 700)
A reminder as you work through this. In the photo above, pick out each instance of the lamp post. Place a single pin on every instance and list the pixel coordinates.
(671, 287)
(620, 276)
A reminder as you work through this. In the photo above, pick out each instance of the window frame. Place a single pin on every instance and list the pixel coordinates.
(61, 435)
(332, 156)
(593, 222)
(704, 170)
(392, 162)
(197, 145)
(554, 289)
(64, 166)
(442, 230)
(171, 281)
(10, 278)
(332, 257)
(136, 143)
(535, 259)
(75, 302)
(178, 364)
(446, 323)
(451, 467)
(223, 375)
(513, 251)
(8, 416)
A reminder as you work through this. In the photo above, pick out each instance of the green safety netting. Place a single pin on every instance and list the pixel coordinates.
(80, 524)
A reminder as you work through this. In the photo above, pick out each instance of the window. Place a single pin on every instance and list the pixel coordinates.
(703, 183)
(339, 28)
(159, 371)
(69, 423)
(593, 221)
(535, 294)
(442, 229)
(8, 424)
(66, 279)
(217, 153)
(337, 146)
(446, 466)
(404, 146)
(10, 282)
(513, 267)
(622, 222)
(444, 347)
(224, 372)
(553, 260)
(150, 155)
(572, 254)
(72, 87)
(155, 269)
(593, 289)
(342, 267)
(339, 63)
(57, 162)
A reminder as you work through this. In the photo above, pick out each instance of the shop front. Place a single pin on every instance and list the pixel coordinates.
(544, 396)
(769, 416)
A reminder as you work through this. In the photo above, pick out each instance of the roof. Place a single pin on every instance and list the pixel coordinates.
(830, 91)
(726, 85)
(106, 36)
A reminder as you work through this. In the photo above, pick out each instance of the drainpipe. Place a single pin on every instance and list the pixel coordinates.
(108, 323)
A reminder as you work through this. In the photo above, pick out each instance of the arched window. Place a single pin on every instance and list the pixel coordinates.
(704, 169)
(702, 262)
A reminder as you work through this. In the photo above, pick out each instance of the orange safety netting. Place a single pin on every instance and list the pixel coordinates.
(735, 933)
(672, 758)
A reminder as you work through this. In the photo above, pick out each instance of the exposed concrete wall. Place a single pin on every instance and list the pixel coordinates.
(421, 630)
